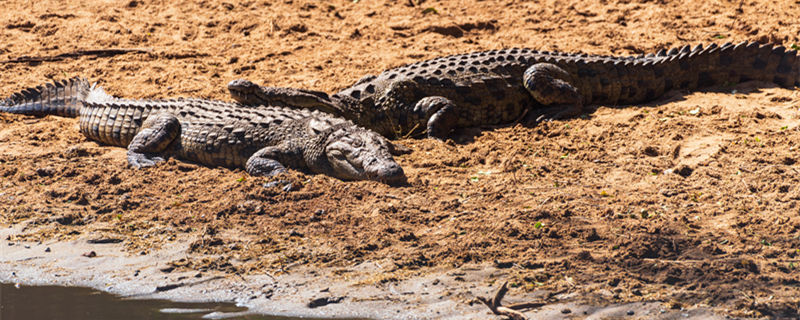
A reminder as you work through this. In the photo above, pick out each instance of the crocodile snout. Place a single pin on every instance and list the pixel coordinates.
(391, 174)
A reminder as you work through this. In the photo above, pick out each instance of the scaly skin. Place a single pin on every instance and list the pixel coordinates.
(262, 140)
(436, 96)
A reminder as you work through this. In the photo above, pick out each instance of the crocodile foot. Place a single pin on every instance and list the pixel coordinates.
(441, 115)
(557, 112)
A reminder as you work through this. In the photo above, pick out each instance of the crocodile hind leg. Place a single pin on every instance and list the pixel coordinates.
(157, 132)
(441, 115)
(550, 85)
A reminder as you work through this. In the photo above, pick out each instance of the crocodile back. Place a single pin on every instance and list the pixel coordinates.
(214, 133)
(487, 86)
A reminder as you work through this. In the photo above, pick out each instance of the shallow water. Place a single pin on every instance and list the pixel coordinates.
(54, 302)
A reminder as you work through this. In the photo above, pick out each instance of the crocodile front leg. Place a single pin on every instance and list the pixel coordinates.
(157, 132)
(550, 85)
(267, 161)
(441, 115)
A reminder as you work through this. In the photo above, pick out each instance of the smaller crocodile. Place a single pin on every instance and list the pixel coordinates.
(433, 97)
(263, 140)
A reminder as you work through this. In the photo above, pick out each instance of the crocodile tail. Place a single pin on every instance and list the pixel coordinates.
(62, 98)
(735, 63)
(768, 63)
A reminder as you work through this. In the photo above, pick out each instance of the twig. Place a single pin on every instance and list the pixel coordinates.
(496, 306)
(79, 53)
(526, 305)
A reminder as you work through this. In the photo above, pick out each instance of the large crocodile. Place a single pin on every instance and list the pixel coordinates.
(502, 86)
(262, 140)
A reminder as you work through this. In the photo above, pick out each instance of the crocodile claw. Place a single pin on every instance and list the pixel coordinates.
(141, 160)
(287, 185)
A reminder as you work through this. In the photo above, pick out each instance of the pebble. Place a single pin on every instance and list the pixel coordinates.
(630, 312)
(566, 311)
(319, 302)
(47, 249)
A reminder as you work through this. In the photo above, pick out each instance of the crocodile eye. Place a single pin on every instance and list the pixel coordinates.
(336, 154)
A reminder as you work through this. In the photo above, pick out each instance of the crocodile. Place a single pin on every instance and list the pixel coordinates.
(433, 97)
(263, 140)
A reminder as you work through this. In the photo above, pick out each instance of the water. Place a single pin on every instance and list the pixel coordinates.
(53, 303)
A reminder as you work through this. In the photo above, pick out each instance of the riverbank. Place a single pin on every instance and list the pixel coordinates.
(691, 200)
(366, 290)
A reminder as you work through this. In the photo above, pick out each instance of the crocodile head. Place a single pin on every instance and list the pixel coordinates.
(247, 92)
(354, 153)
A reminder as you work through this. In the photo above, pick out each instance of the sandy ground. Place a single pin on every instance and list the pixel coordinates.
(691, 200)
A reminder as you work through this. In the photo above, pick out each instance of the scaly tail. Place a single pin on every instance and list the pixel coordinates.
(736, 63)
(763, 62)
(695, 68)
(62, 98)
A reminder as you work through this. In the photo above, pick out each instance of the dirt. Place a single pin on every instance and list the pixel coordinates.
(691, 200)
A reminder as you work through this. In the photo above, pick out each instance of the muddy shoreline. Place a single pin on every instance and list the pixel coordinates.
(436, 294)
(691, 200)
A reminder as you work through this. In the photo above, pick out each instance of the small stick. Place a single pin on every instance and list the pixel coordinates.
(75, 54)
(496, 306)
(526, 305)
